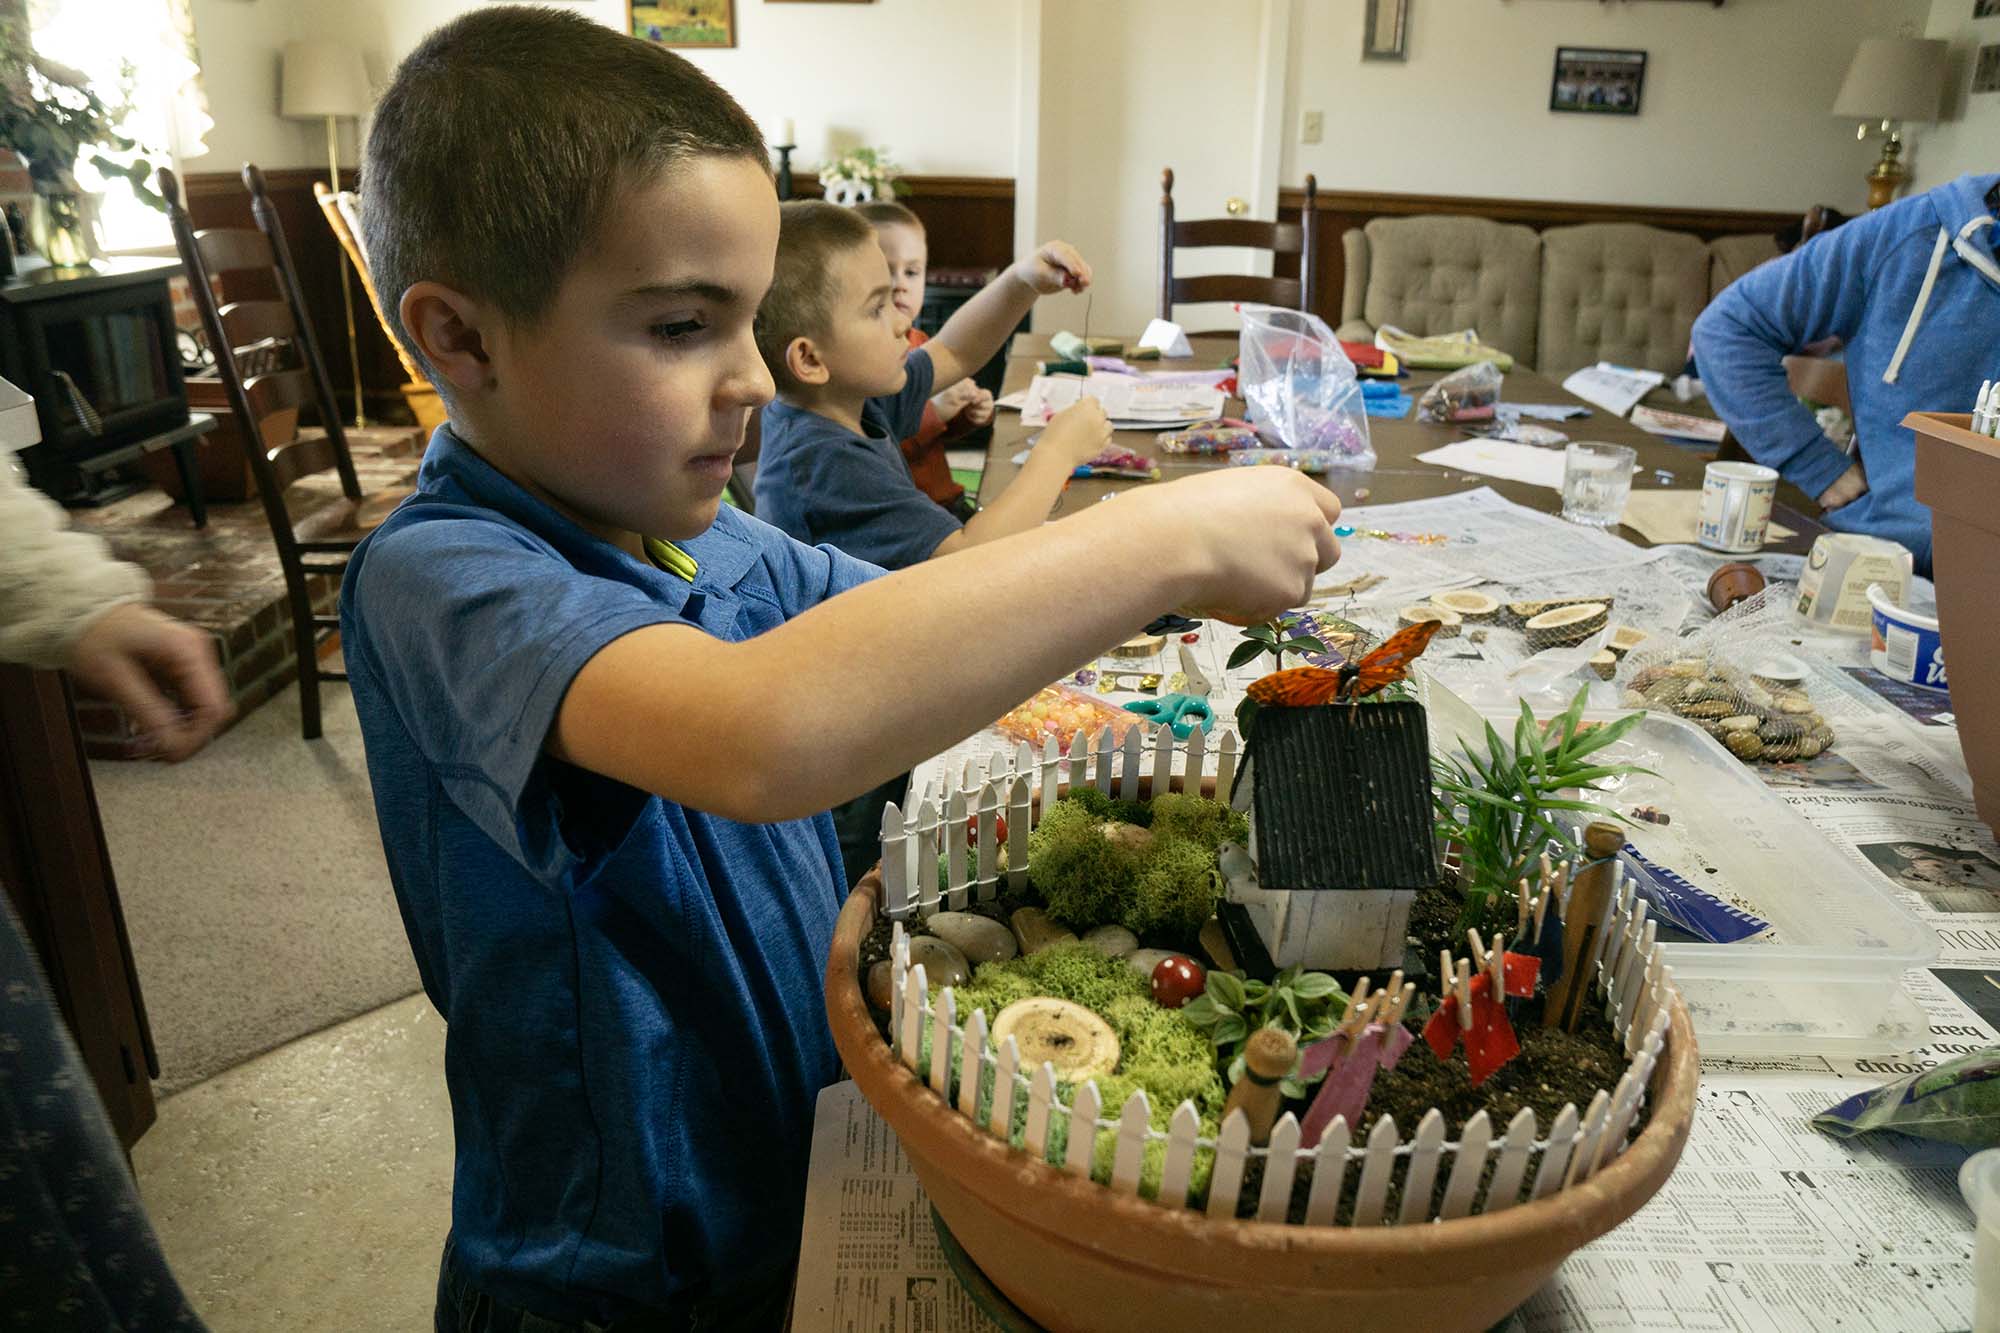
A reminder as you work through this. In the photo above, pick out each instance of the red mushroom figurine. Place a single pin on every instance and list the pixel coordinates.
(1177, 980)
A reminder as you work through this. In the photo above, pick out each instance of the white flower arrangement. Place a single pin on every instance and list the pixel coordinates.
(858, 176)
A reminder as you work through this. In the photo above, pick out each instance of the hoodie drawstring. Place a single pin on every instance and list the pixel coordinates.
(1962, 246)
(1917, 310)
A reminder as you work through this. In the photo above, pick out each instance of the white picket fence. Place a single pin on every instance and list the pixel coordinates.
(1636, 986)
(1006, 787)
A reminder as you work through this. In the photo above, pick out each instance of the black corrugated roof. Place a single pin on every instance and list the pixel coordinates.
(1341, 797)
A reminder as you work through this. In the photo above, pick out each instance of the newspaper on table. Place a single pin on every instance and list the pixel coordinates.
(1614, 388)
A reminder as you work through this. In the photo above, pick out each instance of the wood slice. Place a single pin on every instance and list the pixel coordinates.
(1518, 614)
(1605, 664)
(1564, 626)
(1467, 603)
(1624, 638)
(1448, 621)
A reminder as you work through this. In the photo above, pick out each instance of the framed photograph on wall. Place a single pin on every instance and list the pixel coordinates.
(1386, 35)
(704, 23)
(1597, 81)
(1986, 69)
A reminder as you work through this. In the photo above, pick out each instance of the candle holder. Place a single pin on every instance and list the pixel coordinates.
(784, 152)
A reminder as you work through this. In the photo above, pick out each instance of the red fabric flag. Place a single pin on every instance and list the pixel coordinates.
(1441, 1032)
(1491, 1043)
(1521, 970)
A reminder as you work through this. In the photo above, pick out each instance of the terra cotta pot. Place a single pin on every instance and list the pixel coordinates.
(1076, 1256)
(1958, 476)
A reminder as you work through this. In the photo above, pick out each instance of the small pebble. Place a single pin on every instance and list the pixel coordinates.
(1036, 931)
(1362, 492)
(980, 938)
(942, 964)
(1111, 941)
(1143, 961)
(881, 983)
(1191, 638)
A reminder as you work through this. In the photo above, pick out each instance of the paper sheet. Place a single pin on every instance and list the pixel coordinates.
(1674, 516)
(1614, 388)
(1501, 458)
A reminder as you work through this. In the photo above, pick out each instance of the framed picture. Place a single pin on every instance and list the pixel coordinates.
(706, 23)
(1986, 70)
(1387, 35)
(1597, 81)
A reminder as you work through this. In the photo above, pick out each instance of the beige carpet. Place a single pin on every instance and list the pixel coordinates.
(254, 888)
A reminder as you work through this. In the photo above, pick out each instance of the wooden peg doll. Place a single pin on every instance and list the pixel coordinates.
(1583, 918)
(1267, 1057)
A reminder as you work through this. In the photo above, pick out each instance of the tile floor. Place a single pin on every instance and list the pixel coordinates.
(309, 1189)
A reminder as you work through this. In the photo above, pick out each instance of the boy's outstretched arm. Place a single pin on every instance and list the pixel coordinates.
(970, 337)
(879, 678)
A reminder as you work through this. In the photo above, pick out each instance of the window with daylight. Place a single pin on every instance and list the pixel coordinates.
(140, 55)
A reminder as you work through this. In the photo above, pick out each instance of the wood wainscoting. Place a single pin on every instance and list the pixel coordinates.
(1337, 211)
(970, 220)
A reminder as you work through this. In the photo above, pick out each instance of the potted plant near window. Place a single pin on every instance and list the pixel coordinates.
(52, 118)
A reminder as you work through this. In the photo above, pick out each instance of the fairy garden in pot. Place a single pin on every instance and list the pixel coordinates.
(1326, 980)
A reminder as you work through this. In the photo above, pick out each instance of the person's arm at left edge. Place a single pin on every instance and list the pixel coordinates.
(972, 335)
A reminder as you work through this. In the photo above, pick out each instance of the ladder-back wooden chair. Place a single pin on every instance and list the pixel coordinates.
(246, 337)
(1281, 238)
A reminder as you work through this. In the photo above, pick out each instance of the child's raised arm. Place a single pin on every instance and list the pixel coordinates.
(970, 337)
(879, 678)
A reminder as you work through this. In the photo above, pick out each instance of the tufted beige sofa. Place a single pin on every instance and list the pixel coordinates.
(1558, 299)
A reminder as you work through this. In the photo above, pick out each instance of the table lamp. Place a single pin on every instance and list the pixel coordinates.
(326, 79)
(1892, 80)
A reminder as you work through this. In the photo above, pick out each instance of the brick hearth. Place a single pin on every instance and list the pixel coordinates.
(225, 577)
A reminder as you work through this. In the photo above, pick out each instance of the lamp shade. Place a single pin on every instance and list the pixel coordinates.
(1894, 78)
(323, 78)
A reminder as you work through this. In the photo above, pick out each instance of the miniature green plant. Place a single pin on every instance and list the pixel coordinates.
(1276, 637)
(1500, 809)
(1305, 1004)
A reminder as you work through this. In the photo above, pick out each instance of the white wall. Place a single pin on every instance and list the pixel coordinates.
(1735, 111)
(1969, 139)
(932, 79)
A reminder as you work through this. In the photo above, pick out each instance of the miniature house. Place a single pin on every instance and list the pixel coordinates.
(1341, 835)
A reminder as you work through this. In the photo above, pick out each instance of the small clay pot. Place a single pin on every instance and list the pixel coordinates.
(1733, 583)
(1076, 1256)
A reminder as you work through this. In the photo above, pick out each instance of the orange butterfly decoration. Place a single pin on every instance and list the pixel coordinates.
(1306, 686)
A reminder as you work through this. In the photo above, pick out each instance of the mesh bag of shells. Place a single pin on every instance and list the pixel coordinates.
(1727, 681)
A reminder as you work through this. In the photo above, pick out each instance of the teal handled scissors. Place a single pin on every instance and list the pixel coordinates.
(1183, 712)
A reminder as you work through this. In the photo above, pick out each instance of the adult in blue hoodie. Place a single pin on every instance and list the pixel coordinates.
(1914, 291)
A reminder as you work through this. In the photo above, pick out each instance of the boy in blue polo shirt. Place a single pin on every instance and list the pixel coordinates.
(830, 468)
(604, 715)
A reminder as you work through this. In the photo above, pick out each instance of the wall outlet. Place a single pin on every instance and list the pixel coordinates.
(1312, 126)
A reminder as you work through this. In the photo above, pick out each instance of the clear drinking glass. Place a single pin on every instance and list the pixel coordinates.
(1597, 479)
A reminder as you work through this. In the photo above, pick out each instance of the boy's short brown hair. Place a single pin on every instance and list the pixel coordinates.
(888, 213)
(800, 302)
(502, 141)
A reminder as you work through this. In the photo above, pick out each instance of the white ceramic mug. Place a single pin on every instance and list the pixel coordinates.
(1736, 506)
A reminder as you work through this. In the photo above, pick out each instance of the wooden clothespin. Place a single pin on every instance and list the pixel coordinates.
(1496, 966)
(1522, 901)
(1462, 988)
(1478, 949)
(1353, 1019)
(1583, 917)
(1393, 1011)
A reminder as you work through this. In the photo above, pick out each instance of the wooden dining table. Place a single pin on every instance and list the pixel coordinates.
(1398, 474)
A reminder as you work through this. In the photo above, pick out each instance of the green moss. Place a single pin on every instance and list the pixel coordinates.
(1176, 891)
(1106, 808)
(1165, 890)
(1210, 823)
(1085, 878)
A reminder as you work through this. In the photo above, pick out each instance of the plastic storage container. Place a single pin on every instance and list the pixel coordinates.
(1826, 975)
(1979, 1182)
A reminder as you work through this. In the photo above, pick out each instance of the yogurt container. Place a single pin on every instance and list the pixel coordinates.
(1904, 645)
